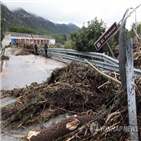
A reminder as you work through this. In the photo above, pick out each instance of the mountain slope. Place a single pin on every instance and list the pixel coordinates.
(37, 23)
(20, 17)
(9, 18)
(72, 26)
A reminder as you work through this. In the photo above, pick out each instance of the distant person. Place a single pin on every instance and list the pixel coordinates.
(36, 49)
(45, 48)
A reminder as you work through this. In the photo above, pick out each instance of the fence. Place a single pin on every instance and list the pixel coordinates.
(101, 60)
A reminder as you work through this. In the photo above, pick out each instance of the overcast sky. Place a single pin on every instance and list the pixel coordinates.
(79, 11)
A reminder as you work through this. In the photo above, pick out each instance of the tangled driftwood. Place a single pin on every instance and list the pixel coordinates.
(74, 89)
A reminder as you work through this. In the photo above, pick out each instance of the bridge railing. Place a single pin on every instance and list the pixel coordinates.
(1, 50)
(101, 60)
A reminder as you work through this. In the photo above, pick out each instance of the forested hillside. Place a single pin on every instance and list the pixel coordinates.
(20, 17)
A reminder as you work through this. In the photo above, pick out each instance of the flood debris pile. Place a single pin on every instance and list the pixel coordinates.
(3, 57)
(22, 48)
(28, 47)
(137, 60)
(78, 90)
(136, 55)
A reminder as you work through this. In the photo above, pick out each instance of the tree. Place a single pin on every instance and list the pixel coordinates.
(60, 39)
(64, 37)
(131, 32)
(1, 25)
(139, 28)
(21, 29)
(68, 44)
(84, 38)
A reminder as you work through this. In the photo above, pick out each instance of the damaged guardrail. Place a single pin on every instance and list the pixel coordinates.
(2, 50)
(101, 60)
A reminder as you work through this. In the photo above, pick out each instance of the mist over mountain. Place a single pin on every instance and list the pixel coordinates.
(20, 17)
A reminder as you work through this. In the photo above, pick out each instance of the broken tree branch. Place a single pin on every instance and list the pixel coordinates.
(104, 84)
(63, 60)
(111, 116)
(105, 75)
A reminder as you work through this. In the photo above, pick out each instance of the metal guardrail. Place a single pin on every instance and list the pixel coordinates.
(2, 50)
(101, 60)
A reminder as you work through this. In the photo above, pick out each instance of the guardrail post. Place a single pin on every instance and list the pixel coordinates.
(131, 96)
(122, 53)
(110, 50)
(126, 70)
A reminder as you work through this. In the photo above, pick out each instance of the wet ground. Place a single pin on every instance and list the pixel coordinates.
(16, 135)
(20, 71)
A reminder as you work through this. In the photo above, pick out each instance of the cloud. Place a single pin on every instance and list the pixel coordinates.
(78, 12)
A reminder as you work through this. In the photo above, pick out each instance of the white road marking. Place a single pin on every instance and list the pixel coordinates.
(3, 64)
(1, 80)
(41, 68)
(5, 52)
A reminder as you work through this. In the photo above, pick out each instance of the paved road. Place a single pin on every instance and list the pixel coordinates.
(20, 71)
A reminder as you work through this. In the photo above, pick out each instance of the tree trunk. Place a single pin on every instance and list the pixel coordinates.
(59, 129)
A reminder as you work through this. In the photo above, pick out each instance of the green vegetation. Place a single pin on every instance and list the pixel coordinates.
(131, 32)
(84, 39)
(68, 44)
(67, 36)
(1, 27)
(21, 18)
(139, 28)
(60, 39)
(9, 18)
(20, 29)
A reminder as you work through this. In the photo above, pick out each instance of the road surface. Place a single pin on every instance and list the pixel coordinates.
(20, 71)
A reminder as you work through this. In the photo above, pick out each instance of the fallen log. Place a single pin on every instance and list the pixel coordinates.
(59, 129)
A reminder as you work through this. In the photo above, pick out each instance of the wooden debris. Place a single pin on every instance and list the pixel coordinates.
(105, 75)
(59, 129)
(75, 89)
(111, 116)
(104, 84)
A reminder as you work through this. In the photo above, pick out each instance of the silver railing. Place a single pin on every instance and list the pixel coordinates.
(1, 50)
(101, 60)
